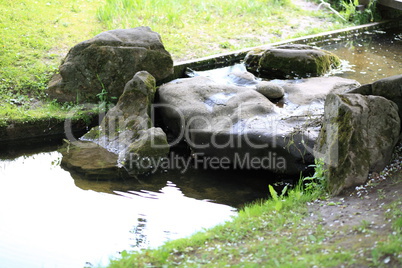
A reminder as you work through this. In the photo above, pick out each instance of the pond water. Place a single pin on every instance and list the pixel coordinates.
(368, 56)
(50, 217)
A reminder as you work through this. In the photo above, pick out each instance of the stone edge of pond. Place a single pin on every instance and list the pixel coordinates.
(20, 133)
(40, 130)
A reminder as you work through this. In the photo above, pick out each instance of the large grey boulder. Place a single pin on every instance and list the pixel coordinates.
(105, 63)
(127, 131)
(239, 125)
(358, 136)
(389, 88)
(288, 61)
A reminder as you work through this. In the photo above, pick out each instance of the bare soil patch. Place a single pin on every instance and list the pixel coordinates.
(357, 218)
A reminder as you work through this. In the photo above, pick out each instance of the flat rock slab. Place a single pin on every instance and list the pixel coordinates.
(305, 91)
(90, 159)
(236, 123)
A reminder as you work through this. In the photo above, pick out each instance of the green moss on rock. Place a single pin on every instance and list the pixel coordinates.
(291, 61)
(356, 138)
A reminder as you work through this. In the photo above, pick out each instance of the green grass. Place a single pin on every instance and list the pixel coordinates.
(197, 28)
(35, 36)
(26, 111)
(392, 246)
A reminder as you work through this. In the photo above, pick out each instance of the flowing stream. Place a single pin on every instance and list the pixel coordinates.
(50, 217)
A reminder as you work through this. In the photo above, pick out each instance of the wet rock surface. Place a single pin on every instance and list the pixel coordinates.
(305, 91)
(91, 160)
(237, 123)
(126, 131)
(107, 62)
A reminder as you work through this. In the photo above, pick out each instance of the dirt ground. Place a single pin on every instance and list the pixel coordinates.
(358, 217)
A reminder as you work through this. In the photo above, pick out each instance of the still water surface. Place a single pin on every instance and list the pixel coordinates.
(46, 220)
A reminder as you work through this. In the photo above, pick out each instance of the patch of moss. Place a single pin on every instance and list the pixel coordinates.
(253, 58)
(313, 63)
(345, 99)
(325, 62)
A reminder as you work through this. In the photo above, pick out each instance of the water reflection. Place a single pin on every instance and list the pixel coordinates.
(47, 221)
(169, 214)
(224, 187)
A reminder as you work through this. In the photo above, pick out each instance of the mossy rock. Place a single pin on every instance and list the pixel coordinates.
(105, 63)
(358, 136)
(126, 129)
(131, 114)
(290, 61)
(389, 88)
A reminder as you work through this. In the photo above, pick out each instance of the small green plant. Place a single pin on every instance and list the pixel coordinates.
(226, 45)
(369, 14)
(381, 194)
(317, 182)
(362, 227)
(278, 199)
(104, 100)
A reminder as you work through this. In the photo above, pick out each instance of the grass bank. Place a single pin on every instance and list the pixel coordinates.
(285, 232)
(36, 35)
(262, 235)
